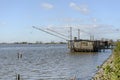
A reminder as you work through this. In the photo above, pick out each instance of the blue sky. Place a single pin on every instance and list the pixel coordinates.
(97, 17)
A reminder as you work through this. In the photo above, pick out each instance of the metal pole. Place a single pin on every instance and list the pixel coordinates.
(70, 33)
(91, 37)
(78, 33)
(71, 41)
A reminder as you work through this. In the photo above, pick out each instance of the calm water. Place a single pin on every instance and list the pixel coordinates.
(48, 62)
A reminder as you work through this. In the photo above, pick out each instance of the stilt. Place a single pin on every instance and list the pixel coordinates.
(19, 55)
(18, 77)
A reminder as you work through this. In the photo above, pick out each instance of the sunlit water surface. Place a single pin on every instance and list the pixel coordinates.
(48, 62)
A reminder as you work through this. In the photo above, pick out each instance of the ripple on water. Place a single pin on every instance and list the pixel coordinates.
(48, 62)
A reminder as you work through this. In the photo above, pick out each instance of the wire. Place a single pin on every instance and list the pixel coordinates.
(56, 32)
(49, 32)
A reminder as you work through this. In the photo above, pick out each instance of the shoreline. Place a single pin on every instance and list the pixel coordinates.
(100, 72)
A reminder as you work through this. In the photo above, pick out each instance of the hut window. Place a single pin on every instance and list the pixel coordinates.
(85, 43)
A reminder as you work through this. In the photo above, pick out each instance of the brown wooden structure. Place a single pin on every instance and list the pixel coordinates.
(80, 45)
(87, 45)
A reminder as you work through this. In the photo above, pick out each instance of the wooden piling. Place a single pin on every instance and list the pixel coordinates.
(19, 55)
(18, 77)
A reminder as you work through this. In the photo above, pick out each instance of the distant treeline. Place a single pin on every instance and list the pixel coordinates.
(37, 42)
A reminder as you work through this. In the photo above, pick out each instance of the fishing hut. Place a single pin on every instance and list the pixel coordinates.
(82, 45)
(79, 45)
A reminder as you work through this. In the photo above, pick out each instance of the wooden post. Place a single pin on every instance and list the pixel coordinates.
(18, 77)
(19, 55)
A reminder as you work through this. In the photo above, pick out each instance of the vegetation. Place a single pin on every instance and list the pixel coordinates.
(37, 42)
(111, 71)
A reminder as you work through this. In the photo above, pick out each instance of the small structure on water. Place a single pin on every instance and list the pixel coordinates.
(87, 45)
(80, 45)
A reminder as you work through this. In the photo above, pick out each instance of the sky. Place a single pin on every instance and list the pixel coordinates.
(99, 18)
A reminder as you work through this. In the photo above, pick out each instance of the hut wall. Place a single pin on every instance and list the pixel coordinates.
(84, 45)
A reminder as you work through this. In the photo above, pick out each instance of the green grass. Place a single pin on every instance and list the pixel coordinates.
(112, 72)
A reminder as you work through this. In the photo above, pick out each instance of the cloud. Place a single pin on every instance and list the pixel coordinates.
(81, 8)
(47, 6)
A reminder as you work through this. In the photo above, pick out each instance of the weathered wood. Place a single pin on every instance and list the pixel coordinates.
(87, 45)
(18, 77)
(19, 55)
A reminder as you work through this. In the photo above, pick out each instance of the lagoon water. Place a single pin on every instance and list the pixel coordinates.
(48, 62)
